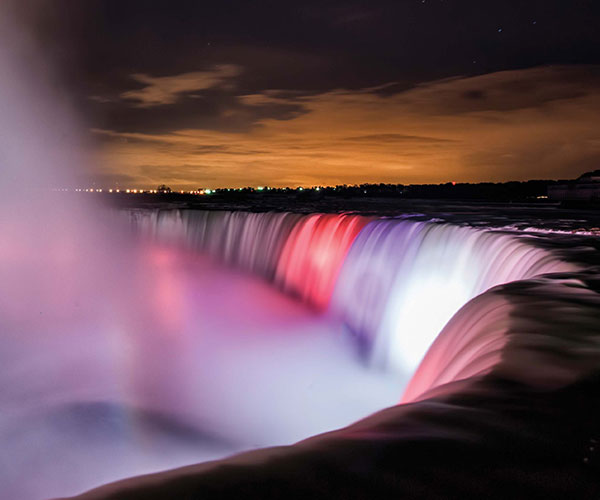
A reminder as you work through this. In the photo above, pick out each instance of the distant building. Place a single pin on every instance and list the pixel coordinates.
(585, 188)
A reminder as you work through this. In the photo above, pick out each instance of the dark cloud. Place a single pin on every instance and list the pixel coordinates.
(505, 90)
(312, 44)
(217, 110)
(474, 94)
(165, 90)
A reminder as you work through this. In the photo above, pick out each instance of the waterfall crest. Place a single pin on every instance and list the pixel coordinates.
(394, 283)
(542, 333)
(314, 254)
(402, 281)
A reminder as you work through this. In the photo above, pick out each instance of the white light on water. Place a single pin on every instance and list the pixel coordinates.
(402, 281)
(419, 316)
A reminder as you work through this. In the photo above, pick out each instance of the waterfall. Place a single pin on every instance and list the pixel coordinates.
(402, 281)
(250, 241)
(543, 333)
(314, 253)
(394, 283)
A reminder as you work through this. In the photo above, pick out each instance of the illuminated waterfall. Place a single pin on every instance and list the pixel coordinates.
(542, 333)
(402, 281)
(395, 283)
(314, 253)
(250, 241)
(470, 345)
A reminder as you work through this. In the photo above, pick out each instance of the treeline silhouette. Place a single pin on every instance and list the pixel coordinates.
(501, 191)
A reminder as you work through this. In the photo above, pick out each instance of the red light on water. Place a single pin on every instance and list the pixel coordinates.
(314, 253)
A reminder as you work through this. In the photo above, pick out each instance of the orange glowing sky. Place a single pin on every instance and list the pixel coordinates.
(533, 123)
(238, 93)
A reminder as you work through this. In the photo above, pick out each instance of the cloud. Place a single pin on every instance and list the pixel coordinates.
(531, 123)
(502, 91)
(397, 138)
(219, 109)
(163, 90)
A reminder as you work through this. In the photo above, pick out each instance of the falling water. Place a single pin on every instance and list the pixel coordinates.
(314, 253)
(402, 281)
(394, 283)
(250, 241)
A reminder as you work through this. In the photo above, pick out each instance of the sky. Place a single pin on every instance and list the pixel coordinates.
(198, 94)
